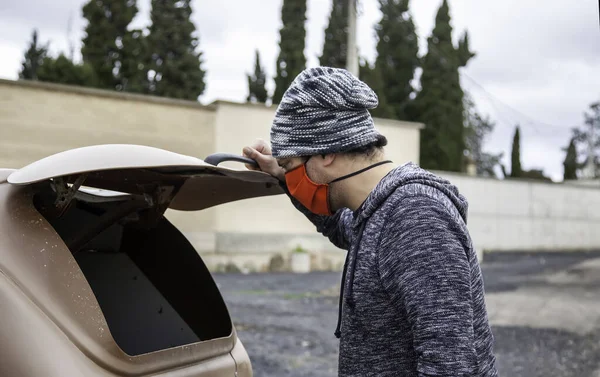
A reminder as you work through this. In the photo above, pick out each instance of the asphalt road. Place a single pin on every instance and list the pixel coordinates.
(544, 309)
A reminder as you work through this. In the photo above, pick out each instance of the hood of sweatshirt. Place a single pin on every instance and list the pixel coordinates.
(409, 173)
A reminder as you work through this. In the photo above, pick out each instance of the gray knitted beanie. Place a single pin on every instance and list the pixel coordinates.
(325, 110)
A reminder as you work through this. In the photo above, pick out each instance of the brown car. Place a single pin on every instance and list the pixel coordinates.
(95, 281)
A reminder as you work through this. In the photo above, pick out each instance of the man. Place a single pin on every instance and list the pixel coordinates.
(412, 299)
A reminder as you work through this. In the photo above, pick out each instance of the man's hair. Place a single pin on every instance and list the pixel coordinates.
(370, 150)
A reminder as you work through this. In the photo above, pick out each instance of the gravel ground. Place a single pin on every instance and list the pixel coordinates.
(286, 321)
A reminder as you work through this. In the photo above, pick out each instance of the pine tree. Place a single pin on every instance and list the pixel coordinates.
(34, 57)
(397, 50)
(291, 60)
(257, 92)
(336, 36)
(105, 34)
(570, 164)
(515, 156)
(372, 77)
(175, 65)
(439, 104)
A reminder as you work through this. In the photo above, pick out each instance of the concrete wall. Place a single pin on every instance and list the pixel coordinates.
(403, 138)
(41, 119)
(527, 215)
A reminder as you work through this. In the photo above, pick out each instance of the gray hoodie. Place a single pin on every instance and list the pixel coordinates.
(412, 300)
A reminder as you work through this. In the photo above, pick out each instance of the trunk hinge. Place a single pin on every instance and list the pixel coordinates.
(160, 198)
(65, 194)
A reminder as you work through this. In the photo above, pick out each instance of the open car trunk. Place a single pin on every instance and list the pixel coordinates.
(107, 203)
(152, 286)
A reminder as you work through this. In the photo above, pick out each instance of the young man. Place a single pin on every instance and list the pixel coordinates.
(412, 299)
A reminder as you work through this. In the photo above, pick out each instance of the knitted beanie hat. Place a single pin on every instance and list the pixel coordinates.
(325, 110)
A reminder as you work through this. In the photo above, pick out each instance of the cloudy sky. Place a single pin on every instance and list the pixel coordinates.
(537, 63)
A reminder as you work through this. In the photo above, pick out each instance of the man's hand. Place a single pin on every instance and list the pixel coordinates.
(260, 151)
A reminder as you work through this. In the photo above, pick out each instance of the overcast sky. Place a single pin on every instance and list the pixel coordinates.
(537, 63)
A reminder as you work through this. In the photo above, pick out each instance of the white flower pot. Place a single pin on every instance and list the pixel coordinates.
(300, 262)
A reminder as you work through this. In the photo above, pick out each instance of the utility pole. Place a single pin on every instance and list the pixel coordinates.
(590, 167)
(69, 39)
(352, 53)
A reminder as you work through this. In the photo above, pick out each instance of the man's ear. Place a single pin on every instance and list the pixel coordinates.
(328, 159)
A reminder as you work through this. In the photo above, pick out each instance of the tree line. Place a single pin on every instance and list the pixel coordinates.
(164, 60)
(161, 60)
(583, 151)
(583, 146)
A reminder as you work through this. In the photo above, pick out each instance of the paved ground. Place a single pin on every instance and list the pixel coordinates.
(544, 308)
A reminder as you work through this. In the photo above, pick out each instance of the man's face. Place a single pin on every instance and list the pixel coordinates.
(318, 168)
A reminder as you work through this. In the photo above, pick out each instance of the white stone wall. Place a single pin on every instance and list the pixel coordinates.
(528, 215)
(503, 216)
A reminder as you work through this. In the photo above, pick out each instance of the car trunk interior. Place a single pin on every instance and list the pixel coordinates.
(152, 286)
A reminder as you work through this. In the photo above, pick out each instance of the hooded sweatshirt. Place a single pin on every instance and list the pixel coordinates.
(412, 297)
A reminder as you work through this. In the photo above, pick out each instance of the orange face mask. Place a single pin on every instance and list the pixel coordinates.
(315, 196)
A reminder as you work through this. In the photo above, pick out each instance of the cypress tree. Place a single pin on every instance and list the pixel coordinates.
(336, 36)
(33, 59)
(463, 51)
(174, 65)
(515, 156)
(104, 38)
(439, 104)
(291, 60)
(397, 54)
(570, 164)
(133, 68)
(257, 92)
(372, 77)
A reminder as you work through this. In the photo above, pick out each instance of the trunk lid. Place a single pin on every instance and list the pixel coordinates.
(174, 180)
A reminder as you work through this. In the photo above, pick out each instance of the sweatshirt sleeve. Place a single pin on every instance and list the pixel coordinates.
(337, 227)
(424, 268)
